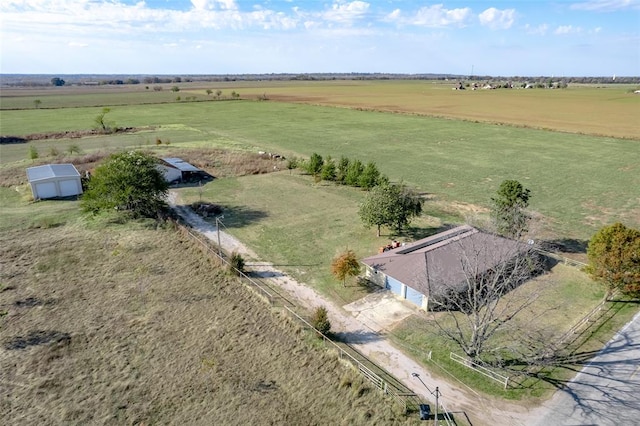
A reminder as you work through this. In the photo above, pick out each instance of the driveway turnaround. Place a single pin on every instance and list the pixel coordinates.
(607, 390)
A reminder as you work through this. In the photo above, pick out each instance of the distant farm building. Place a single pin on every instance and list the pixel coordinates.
(54, 181)
(423, 271)
(178, 170)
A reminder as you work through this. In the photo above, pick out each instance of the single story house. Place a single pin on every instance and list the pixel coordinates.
(178, 170)
(433, 266)
(54, 181)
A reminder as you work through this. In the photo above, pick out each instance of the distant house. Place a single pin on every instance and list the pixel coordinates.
(54, 181)
(425, 270)
(178, 170)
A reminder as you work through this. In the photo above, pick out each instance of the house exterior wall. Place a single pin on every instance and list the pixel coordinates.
(374, 276)
(414, 297)
(396, 287)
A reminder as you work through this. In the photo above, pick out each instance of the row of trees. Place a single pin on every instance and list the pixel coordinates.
(344, 172)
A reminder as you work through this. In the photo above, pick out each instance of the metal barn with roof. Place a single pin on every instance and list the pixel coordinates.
(178, 170)
(54, 181)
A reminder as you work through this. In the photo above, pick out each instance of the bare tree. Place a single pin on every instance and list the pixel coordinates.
(470, 290)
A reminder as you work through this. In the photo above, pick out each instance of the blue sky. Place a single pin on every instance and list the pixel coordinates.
(499, 37)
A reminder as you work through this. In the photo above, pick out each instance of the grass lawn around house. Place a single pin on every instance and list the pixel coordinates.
(300, 225)
(566, 296)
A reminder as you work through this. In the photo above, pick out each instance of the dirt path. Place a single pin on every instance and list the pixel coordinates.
(455, 397)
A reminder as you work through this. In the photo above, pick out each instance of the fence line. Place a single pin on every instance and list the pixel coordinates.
(578, 327)
(504, 380)
(402, 394)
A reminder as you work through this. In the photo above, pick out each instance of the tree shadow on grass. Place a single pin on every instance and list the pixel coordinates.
(565, 245)
(239, 216)
(359, 336)
(415, 233)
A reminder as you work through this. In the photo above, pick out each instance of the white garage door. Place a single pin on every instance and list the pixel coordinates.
(394, 285)
(414, 297)
(68, 188)
(46, 190)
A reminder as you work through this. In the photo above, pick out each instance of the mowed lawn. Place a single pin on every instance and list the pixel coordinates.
(124, 324)
(578, 183)
(300, 225)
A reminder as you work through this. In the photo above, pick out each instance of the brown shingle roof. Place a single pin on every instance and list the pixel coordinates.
(444, 259)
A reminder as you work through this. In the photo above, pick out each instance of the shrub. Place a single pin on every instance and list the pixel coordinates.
(73, 149)
(354, 171)
(237, 263)
(292, 163)
(329, 170)
(315, 163)
(320, 320)
(33, 152)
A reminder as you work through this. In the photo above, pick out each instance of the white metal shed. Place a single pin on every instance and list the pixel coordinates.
(54, 180)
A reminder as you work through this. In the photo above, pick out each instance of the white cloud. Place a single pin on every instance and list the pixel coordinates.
(606, 5)
(567, 29)
(435, 16)
(538, 30)
(77, 44)
(497, 19)
(393, 16)
(214, 4)
(346, 12)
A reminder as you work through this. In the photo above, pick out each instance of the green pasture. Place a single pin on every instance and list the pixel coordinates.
(299, 225)
(578, 182)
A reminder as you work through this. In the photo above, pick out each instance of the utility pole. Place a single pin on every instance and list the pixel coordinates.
(218, 232)
(436, 393)
(435, 418)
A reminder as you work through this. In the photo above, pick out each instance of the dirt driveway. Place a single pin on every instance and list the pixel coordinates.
(364, 336)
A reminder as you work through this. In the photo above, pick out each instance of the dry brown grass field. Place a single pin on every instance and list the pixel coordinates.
(608, 110)
(122, 324)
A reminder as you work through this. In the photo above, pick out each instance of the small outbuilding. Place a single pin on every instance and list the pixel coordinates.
(54, 181)
(178, 170)
(423, 271)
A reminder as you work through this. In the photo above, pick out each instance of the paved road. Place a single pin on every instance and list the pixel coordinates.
(606, 391)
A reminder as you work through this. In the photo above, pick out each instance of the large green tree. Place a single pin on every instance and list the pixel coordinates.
(508, 209)
(614, 258)
(130, 182)
(390, 205)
